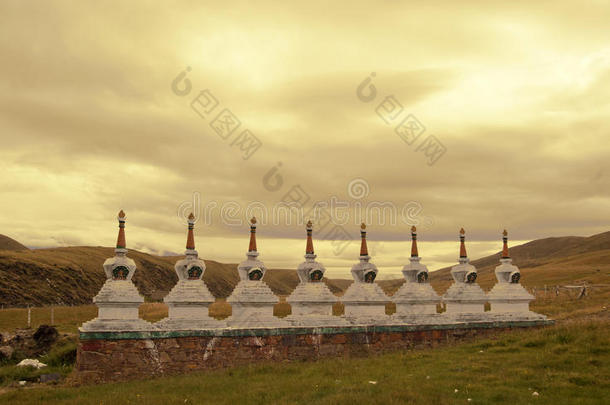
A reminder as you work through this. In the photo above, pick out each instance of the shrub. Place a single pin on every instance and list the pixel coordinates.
(60, 356)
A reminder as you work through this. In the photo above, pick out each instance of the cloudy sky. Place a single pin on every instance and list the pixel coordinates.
(444, 114)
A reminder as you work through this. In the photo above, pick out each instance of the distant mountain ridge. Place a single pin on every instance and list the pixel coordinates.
(73, 275)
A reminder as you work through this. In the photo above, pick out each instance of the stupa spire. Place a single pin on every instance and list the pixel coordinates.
(190, 239)
(505, 254)
(363, 248)
(252, 247)
(463, 254)
(309, 246)
(414, 252)
(120, 242)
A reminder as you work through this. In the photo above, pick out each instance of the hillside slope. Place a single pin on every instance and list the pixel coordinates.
(7, 243)
(73, 275)
(549, 261)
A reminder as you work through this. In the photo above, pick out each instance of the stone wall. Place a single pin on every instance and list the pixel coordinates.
(118, 356)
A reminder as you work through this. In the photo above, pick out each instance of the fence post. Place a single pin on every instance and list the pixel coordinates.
(583, 292)
(52, 315)
(29, 317)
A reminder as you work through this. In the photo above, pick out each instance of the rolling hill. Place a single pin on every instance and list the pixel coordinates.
(548, 261)
(72, 275)
(7, 243)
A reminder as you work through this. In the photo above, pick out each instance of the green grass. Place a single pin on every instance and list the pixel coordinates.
(565, 364)
(60, 359)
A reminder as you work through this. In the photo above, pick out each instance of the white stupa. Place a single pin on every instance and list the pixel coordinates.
(508, 299)
(465, 299)
(312, 301)
(364, 300)
(118, 300)
(252, 300)
(189, 300)
(416, 299)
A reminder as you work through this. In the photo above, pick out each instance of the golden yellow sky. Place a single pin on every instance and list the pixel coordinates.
(518, 94)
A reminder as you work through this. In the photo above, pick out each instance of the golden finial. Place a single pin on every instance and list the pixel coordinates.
(309, 224)
(191, 216)
(121, 214)
(505, 233)
(462, 231)
(253, 220)
(413, 229)
(363, 226)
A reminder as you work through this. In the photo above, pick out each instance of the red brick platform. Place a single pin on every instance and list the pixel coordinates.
(119, 356)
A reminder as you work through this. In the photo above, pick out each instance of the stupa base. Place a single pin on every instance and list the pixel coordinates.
(417, 319)
(515, 316)
(190, 324)
(460, 306)
(366, 313)
(415, 307)
(117, 325)
(254, 317)
(468, 317)
(314, 321)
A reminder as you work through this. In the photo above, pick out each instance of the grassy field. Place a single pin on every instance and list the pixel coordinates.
(567, 363)
(569, 306)
(60, 359)
(564, 364)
